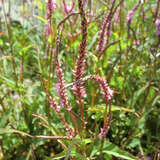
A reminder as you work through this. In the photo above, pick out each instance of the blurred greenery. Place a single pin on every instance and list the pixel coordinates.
(130, 64)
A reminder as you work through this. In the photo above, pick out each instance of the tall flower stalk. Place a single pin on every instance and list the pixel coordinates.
(107, 95)
(78, 72)
(78, 75)
(105, 30)
(131, 13)
(55, 107)
(50, 6)
(61, 85)
(68, 9)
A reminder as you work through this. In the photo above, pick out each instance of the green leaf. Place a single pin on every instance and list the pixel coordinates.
(101, 108)
(95, 58)
(70, 148)
(4, 118)
(87, 140)
(157, 98)
(25, 49)
(134, 142)
(1, 42)
(71, 151)
(142, 121)
(138, 94)
(5, 65)
(40, 18)
(7, 80)
(114, 150)
(93, 41)
(120, 81)
(79, 156)
(11, 84)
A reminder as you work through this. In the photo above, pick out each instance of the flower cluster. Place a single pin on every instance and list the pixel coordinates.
(105, 128)
(78, 89)
(103, 39)
(105, 30)
(61, 86)
(116, 18)
(55, 106)
(52, 102)
(50, 6)
(68, 129)
(131, 13)
(68, 9)
(78, 72)
(107, 92)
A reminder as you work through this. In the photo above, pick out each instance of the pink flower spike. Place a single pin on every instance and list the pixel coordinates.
(68, 9)
(102, 133)
(130, 14)
(60, 86)
(50, 5)
(107, 92)
(158, 26)
(157, 23)
(110, 91)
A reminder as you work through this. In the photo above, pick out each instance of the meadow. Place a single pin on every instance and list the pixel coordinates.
(79, 80)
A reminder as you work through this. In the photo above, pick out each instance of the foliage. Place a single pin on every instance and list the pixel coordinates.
(60, 61)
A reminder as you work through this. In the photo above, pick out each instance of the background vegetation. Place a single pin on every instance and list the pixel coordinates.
(129, 62)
